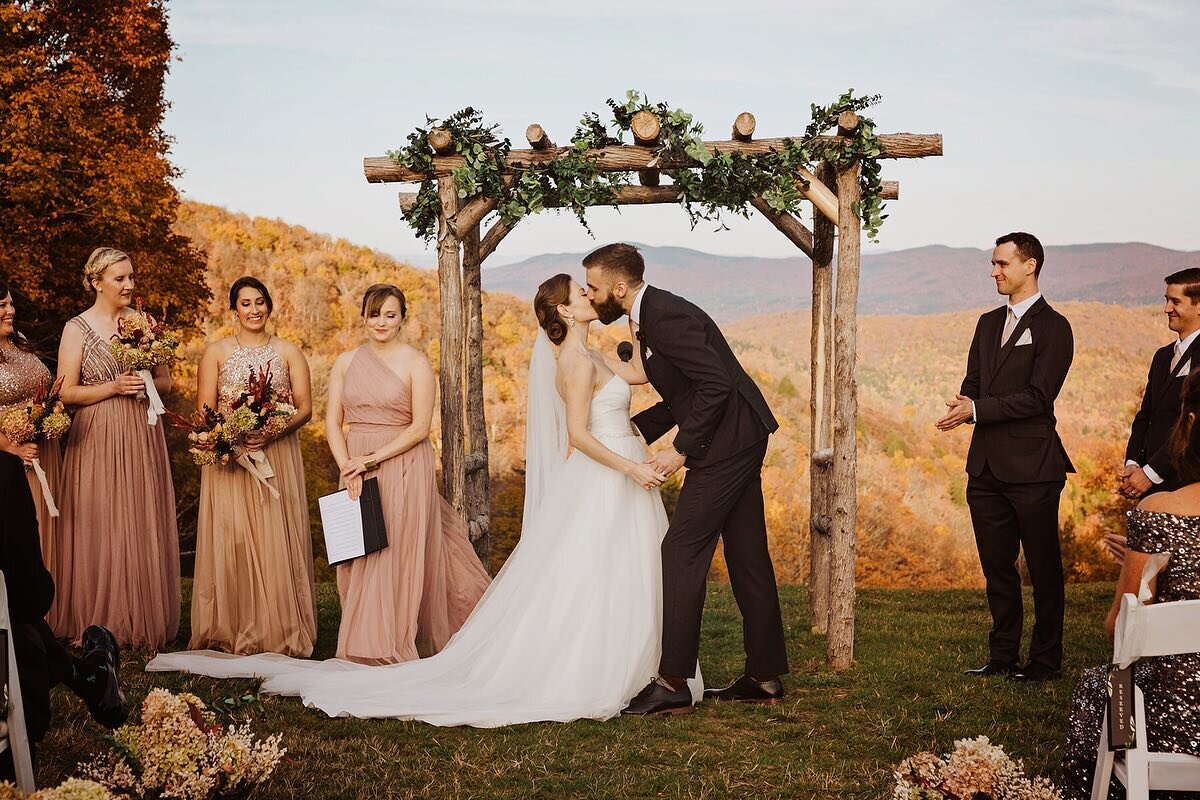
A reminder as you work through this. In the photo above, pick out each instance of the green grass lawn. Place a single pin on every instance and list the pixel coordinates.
(837, 734)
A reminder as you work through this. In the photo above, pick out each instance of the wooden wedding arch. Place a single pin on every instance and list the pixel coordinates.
(834, 194)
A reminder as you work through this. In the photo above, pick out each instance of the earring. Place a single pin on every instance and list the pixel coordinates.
(570, 322)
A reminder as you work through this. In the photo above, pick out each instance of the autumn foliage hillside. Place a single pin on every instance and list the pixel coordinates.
(914, 529)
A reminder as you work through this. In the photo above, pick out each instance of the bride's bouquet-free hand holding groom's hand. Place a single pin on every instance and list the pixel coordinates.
(667, 462)
(960, 410)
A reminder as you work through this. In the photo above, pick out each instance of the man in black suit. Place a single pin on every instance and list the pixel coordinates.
(724, 424)
(1016, 463)
(42, 661)
(1147, 459)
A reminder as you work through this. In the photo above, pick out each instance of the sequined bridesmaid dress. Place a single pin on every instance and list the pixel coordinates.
(1171, 684)
(253, 590)
(22, 376)
(118, 560)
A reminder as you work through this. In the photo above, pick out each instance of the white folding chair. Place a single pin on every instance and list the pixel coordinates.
(1159, 629)
(13, 735)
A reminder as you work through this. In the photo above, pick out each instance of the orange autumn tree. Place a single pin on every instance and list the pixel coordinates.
(83, 157)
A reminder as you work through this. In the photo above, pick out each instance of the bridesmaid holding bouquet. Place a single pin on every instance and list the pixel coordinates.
(118, 563)
(23, 378)
(253, 590)
(406, 600)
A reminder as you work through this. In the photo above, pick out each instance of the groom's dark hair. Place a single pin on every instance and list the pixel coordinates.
(620, 259)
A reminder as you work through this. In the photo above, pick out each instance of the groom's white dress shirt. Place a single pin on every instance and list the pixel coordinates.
(635, 313)
(1181, 347)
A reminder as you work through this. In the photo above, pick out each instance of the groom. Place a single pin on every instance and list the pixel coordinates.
(724, 423)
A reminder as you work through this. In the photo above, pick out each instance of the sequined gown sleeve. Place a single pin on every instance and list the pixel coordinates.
(407, 600)
(1171, 684)
(22, 376)
(253, 590)
(118, 560)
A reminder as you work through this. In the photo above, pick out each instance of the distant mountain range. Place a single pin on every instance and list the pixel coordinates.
(922, 280)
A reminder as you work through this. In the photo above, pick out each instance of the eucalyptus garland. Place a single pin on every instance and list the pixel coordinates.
(717, 183)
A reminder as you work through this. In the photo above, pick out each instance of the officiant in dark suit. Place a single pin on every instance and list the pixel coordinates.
(1016, 464)
(1148, 466)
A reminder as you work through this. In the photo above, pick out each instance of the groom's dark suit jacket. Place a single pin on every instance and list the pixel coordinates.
(1014, 388)
(718, 408)
(1156, 418)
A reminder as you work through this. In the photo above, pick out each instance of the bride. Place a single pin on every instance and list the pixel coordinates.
(569, 628)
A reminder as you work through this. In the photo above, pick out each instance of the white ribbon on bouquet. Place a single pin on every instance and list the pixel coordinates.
(255, 462)
(156, 408)
(41, 476)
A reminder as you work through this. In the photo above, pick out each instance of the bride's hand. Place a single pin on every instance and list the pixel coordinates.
(646, 476)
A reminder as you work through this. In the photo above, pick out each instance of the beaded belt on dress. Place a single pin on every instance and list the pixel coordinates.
(613, 434)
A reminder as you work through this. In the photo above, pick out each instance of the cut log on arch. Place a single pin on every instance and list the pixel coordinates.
(622, 158)
(743, 127)
(646, 129)
(847, 123)
(441, 141)
(408, 200)
(536, 136)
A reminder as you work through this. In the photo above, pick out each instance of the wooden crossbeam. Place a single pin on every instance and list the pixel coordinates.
(624, 158)
(480, 207)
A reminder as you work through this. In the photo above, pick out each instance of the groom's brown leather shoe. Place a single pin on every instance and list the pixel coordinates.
(747, 690)
(659, 698)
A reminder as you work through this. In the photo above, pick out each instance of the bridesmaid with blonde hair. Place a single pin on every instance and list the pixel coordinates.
(118, 563)
(253, 590)
(22, 377)
(406, 600)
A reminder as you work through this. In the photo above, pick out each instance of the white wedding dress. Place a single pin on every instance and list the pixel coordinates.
(570, 628)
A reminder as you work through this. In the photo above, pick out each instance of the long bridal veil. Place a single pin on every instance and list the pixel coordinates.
(545, 426)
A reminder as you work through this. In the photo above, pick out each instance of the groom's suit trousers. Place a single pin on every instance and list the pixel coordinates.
(722, 500)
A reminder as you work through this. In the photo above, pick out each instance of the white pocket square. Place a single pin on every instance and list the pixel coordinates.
(1026, 338)
(1186, 369)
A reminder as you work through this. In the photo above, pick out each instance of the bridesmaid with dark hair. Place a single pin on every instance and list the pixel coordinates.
(253, 589)
(407, 600)
(22, 377)
(118, 560)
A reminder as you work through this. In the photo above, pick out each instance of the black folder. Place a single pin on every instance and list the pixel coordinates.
(371, 508)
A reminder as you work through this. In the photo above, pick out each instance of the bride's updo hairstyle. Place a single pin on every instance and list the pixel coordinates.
(1185, 438)
(553, 292)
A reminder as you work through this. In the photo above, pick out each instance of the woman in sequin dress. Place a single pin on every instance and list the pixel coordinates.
(22, 377)
(253, 590)
(118, 560)
(1167, 522)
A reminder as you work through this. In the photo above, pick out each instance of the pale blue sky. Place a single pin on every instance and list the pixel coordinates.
(1075, 119)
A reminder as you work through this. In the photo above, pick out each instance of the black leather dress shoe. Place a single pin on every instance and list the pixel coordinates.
(659, 698)
(100, 687)
(1034, 673)
(994, 668)
(747, 690)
